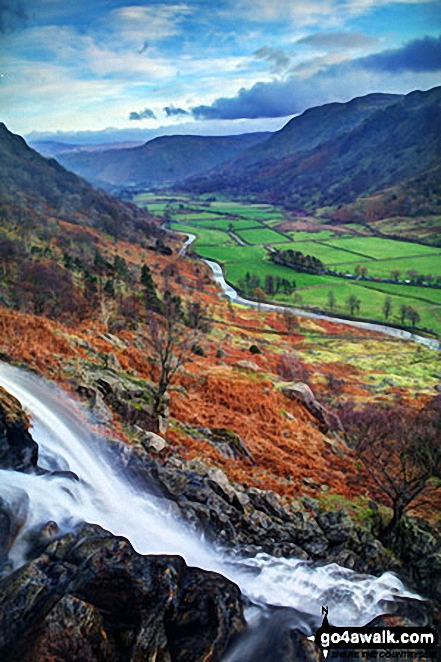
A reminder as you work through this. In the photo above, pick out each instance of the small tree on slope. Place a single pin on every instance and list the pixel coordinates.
(171, 342)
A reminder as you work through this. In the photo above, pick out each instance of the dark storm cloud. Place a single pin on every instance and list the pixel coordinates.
(274, 99)
(420, 55)
(171, 111)
(338, 40)
(143, 115)
(13, 16)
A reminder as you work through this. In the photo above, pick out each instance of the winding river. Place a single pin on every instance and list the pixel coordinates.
(231, 293)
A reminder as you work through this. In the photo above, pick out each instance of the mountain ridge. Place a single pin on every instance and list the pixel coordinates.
(390, 146)
(316, 124)
(160, 161)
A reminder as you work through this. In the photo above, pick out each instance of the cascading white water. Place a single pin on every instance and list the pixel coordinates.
(103, 497)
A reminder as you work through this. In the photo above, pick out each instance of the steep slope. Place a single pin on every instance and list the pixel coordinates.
(314, 126)
(392, 145)
(32, 187)
(160, 161)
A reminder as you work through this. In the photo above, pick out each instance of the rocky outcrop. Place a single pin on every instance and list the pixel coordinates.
(17, 448)
(132, 398)
(327, 419)
(91, 597)
(226, 441)
(253, 520)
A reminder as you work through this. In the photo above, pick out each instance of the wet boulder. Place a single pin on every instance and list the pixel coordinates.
(17, 448)
(13, 512)
(91, 596)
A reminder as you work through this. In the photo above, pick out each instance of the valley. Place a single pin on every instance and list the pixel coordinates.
(363, 270)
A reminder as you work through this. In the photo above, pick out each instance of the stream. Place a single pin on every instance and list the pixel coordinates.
(108, 498)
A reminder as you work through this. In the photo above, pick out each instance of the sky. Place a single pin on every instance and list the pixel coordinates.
(107, 70)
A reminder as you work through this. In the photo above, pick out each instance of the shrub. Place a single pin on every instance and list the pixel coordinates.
(291, 368)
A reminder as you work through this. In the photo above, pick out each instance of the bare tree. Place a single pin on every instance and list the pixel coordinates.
(171, 342)
(401, 451)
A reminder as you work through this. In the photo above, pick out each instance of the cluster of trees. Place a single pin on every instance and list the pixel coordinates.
(353, 303)
(270, 286)
(415, 277)
(407, 314)
(400, 450)
(298, 261)
(410, 314)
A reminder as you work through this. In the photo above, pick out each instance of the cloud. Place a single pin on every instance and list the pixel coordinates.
(274, 99)
(420, 55)
(308, 12)
(171, 111)
(138, 24)
(278, 59)
(303, 12)
(13, 16)
(324, 80)
(338, 40)
(145, 114)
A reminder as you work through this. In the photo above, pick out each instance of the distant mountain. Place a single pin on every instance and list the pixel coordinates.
(51, 147)
(54, 148)
(161, 161)
(33, 187)
(392, 144)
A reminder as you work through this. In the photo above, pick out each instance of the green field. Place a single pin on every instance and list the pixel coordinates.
(252, 223)
(234, 254)
(383, 268)
(303, 236)
(204, 236)
(261, 236)
(221, 223)
(376, 247)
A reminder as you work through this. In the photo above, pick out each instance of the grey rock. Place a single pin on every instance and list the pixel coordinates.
(336, 525)
(91, 596)
(303, 393)
(153, 442)
(248, 365)
(112, 362)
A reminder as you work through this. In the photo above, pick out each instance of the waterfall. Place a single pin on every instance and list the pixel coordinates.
(105, 497)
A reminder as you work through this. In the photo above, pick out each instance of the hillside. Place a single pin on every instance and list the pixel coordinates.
(315, 126)
(35, 189)
(392, 145)
(160, 161)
